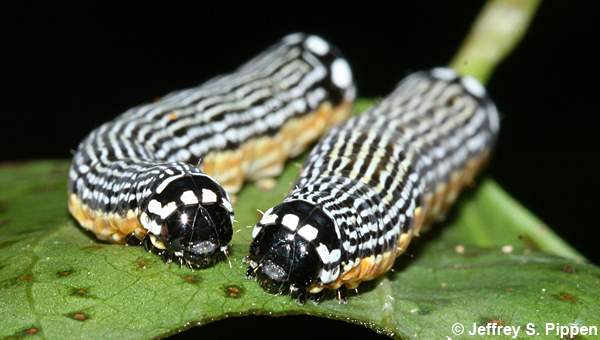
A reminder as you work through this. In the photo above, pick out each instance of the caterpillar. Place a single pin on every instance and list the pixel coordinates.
(372, 183)
(164, 171)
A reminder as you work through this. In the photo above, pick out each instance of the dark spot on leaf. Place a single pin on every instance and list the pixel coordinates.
(568, 269)
(65, 273)
(94, 247)
(233, 291)
(80, 292)
(191, 279)
(564, 296)
(494, 321)
(23, 333)
(26, 278)
(32, 330)
(3, 222)
(79, 316)
(2, 206)
(142, 263)
(423, 310)
(509, 289)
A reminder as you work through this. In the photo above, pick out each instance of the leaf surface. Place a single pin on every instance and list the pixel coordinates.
(491, 261)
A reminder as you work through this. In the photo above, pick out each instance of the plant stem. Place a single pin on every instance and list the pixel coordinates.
(497, 30)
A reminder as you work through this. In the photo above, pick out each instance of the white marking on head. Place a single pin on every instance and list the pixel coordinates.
(144, 219)
(325, 276)
(268, 219)
(308, 232)
(227, 205)
(255, 231)
(166, 182)
(473, 86)
(323, 252)
(341, 75)
(189, 198)
(208, 196)
(290, 221)
(444, 73)
(156, 208)
(317, 45)
(168, 209)
(149, 224)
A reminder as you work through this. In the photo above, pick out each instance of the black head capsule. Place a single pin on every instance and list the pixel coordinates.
(189, 219)
(293, 247)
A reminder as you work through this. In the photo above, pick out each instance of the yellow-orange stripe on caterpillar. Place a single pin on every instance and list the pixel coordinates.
(372, 183)
(164, 172)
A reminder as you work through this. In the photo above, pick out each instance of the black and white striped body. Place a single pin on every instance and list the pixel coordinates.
(371, 182)
(139, 172)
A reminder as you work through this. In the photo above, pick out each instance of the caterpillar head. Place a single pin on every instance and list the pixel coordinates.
(293, 245)
(189, 218)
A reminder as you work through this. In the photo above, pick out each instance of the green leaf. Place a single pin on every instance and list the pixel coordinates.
(490, 261)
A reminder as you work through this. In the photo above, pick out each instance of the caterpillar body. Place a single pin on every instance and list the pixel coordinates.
(164, 171)
(373, 182)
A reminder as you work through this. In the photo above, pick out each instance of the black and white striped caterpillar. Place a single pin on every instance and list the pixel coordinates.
(372, 183)
(138, 175)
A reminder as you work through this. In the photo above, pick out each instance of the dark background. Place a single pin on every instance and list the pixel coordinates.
(67, 69)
